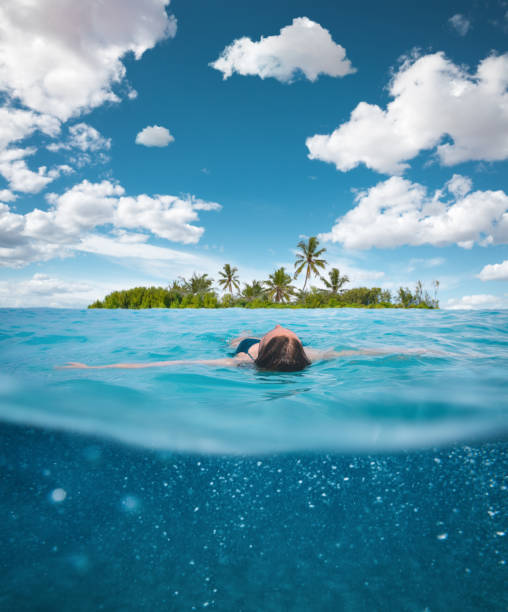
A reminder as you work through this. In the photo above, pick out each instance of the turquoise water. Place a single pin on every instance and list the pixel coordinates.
(363, 483)
(443, 378)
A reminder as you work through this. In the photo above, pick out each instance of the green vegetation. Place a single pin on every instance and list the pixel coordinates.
(276, 292)
(278, 287)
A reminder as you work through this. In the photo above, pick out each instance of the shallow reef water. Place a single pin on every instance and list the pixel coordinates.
(365, 483)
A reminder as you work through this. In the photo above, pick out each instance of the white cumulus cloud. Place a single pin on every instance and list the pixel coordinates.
(476, 302)
(77, 213)
(433, 99)
(459, 185)
(14, 169)
(16, 124)
(397, 212)
(154, 136)
(59, 59)
(494, 271)
(62, 58)
(304, 47)
(460, 23)
(42, 284)
(44, 290)
(84, 145)
(6, 195)
(83, 137)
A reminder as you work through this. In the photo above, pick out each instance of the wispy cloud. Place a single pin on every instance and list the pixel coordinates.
(477, 302)
(430, 262)
(460, 23)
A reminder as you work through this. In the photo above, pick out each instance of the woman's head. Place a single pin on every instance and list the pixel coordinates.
(281, 350)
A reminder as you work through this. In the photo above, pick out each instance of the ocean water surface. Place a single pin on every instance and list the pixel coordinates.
(368, 482)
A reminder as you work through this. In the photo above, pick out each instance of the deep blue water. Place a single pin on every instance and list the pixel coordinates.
(364, 483)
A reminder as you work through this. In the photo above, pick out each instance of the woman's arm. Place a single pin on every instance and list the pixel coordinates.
(228, 362)
(319, 355)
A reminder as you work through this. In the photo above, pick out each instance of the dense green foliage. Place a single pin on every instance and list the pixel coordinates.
(177, 297)
(276, 292)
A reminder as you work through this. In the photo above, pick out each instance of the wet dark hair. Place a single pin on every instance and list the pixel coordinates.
(283, 354)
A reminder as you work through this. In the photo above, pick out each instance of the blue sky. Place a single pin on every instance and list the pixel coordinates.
(382, 128)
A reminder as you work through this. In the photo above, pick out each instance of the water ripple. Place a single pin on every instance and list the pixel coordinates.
(442, 379)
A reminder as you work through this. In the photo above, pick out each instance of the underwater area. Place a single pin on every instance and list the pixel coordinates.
(367, 482)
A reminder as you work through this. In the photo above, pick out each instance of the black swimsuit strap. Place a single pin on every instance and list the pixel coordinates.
(245, 345)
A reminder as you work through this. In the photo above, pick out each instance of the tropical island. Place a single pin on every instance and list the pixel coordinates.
(277, 291)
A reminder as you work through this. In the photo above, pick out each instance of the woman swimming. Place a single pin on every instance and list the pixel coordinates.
(279, 350)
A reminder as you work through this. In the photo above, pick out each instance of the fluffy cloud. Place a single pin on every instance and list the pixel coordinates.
(73, 216)
(397, 212)
(433, 99)
(494, 271)
(62, 58)
(154, 136)
(59, 59)
(14, 169)
(42, 284)
(83, 137)
(460, 24)
(43, 290)
(302, 47)
(6, 195)
(459, 185)
(476, 302)
(16, 124)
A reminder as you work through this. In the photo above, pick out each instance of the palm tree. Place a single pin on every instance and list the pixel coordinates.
(253, 291)
(419, 292)
(336, 281)
(309, 257)
(229, 280)
(279, 286)
(177, 286)
(435, 302)
(197, 285)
